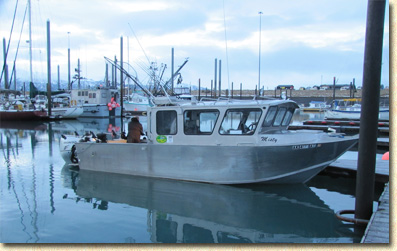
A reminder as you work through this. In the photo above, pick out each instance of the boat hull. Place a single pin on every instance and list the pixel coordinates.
(67, 112)
(213, 164)
(135, 107)
(22, 115)
(99, 111)
(353, 115)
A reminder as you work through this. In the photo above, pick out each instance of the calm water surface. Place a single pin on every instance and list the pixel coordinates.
(44, 201)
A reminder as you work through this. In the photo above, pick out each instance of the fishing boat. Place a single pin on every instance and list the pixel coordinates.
(221, 142)
(97, 103)
(350, 109)
(316, 106)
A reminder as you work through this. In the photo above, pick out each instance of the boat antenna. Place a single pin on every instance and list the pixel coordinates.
(139, 42)
(227, 54)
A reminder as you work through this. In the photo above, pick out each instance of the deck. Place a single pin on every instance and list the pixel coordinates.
(378, 227)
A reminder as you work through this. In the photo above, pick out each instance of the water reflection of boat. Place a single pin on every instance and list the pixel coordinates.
(101, 124)
(26, 125)
(189, 212)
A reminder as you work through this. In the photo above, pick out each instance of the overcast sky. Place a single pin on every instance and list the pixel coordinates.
(303, 42)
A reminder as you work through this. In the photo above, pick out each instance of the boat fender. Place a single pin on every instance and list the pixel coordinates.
(113, 104)
(385, 156)
(73, 102)
(73, 157)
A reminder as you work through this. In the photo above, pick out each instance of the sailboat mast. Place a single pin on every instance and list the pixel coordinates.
(30, 39)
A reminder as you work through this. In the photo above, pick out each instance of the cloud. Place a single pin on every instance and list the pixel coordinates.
(301, 40)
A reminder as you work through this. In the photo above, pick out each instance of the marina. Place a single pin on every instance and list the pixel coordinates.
(159, 209)
(131, 152)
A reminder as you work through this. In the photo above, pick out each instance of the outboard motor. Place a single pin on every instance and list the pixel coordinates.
(102, 138)
(123, 136)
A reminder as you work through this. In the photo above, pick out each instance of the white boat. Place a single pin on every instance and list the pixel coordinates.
(316, 106)
(97, 103)
(350, 109)
(221, 142)
(67, 112)
(136, 103)
(61, 106)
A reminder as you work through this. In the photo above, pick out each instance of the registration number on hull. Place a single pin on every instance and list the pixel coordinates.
(307, 146)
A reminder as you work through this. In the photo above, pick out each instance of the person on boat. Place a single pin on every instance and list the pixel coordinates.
(135, 130)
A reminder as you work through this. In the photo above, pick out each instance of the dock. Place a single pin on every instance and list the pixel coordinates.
(383, 130)
(377, 230)
(348, 167)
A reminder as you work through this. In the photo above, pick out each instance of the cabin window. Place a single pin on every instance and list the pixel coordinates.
(90, 95)
(198, 122)
(166, 122)
(270, 116)
(240, 121)
(287, 117)
(279, 116)
(79, 93)
(276, 117)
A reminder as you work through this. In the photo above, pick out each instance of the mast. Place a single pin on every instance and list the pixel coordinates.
(259, 71)
(69, 84)
(30, 39)
(172, 70)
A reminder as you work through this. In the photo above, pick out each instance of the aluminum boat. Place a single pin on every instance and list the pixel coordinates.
(221, 142)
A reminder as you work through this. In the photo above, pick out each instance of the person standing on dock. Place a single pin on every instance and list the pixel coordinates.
(135, 130)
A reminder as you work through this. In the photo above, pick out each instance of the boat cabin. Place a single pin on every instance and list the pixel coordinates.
(93, 96)
(218, 122)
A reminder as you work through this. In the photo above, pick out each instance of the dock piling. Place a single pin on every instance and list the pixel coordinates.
(370, 109)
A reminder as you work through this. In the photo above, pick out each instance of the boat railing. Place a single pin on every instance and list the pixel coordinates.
(225, 100)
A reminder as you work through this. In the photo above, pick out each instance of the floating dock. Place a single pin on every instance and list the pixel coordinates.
(349, 168)
(378, 230)
(384, 130)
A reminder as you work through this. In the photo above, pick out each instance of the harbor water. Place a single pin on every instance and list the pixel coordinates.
(44, 200)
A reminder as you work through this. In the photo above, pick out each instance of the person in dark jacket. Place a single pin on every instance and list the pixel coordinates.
(135, 130)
